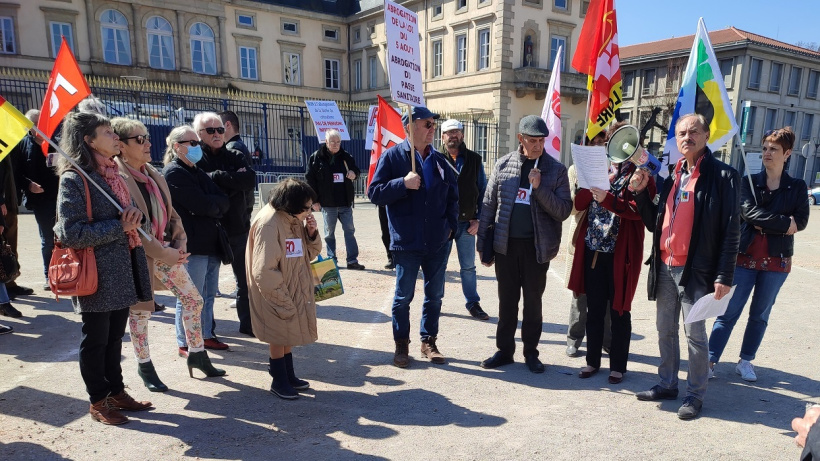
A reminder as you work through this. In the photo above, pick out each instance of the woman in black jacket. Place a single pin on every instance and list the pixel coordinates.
(200, 204)
(772, 213)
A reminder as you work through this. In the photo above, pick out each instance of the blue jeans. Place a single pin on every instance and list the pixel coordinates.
(766, 285)
(465, 247)
(344, 214)
(4, 294)
(204, 272)
(46, 216)
(433, 265)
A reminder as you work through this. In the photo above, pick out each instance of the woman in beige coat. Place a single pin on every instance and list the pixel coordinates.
(283, 240)
(166, 252)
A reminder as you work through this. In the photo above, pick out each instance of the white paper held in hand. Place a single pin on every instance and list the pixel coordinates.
(591, 165)
(708, 307)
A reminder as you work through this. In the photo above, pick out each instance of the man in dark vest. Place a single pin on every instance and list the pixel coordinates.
(471, 184)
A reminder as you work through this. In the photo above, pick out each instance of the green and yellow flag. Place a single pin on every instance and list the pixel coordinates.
(13, 127)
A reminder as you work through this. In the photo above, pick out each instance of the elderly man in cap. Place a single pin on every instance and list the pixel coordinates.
(471, 184)
(526, 200)
(422, 210)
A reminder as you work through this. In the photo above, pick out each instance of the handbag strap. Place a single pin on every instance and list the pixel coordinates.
(87, 198)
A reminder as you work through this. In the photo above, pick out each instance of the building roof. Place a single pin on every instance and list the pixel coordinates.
(334, 7)
(718, 37)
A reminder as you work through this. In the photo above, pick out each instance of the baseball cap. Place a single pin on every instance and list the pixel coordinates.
(418, 112)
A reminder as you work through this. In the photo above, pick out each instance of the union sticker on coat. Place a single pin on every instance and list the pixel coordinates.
(293, 248)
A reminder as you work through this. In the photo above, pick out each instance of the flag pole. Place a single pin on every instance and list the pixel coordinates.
(586, 116)
(746, 166)
(409, 112)
(84, 173)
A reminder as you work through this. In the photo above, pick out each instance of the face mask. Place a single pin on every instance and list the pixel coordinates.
(194, 154)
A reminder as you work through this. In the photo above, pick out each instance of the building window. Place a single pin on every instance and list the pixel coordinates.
(789, 118)
(371, 30)
(484, 49)
(115, 37)
(750, 127)
(357, 74)
(58, 31)
(461, 4)
(7, 35)
(481, 140)
(672, 79)
(770, 120)
(584, 7)
(775, 77)
(332, 74)
(290, 28)
(244, 20)
(649, 80)
(160, 43)
(373, 72)
(808, 121)
(203, 49)
(560, 4)
(627, 83)
(437, 10)
(461, 53)
(248, 65)
(726, 67)
(557, 41)
(811, 89)
(755, 69)
(331, 34)
(291, 68)
(437, 58)
(357, 34)
(795, 77)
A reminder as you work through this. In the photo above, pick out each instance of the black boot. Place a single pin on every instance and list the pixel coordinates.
(298, 384)
(149, 377)
(280, 385)
(390, 263)
(200, 361)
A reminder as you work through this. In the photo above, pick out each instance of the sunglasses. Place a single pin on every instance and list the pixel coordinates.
(211, 130)
(192, 142)
(769, 133)
(428, 124)
(140, 138)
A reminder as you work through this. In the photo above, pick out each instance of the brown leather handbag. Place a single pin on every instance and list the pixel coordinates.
(73, 272)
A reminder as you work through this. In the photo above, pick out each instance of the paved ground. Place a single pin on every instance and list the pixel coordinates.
(360, 406)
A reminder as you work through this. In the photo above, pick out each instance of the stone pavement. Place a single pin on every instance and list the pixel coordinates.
(362, 407)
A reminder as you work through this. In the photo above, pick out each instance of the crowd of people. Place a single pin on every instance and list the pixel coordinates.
(174, 228)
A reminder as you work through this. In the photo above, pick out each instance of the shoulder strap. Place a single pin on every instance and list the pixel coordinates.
(87, 197)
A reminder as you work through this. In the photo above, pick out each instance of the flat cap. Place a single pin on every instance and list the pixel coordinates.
(451, 124)
(533, 125)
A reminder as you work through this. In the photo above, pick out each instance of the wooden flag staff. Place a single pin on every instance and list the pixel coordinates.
(84, 173)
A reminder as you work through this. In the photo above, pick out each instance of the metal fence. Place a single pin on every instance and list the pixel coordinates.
(276, 128)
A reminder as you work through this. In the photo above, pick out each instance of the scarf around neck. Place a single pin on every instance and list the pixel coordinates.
(159, 213)
(107, 168)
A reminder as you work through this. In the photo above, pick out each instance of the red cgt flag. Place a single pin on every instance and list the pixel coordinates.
(387, 133)
(66, 88)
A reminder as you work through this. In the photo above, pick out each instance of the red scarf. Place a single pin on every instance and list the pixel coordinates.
(107, 168)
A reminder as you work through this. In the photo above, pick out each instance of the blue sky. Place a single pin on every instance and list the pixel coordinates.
(789, 21)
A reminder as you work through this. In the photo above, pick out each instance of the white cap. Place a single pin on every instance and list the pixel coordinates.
(451, 124)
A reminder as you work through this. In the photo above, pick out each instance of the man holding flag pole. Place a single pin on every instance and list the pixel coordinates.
(696, 221)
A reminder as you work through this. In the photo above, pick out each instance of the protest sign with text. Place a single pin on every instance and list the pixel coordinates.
(403, 53)
(326, 116)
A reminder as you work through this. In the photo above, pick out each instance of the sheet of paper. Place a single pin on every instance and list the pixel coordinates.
(591, 165)
(708, 307)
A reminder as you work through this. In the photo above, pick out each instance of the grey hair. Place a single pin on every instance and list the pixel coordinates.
(125, 126)
(332, 133)
(204, 117)
(76, 126)
(33, 115)
(92, 104)
(701, 119)
(174, 136)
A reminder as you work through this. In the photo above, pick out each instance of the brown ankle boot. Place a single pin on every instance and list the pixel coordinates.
(101, 411)
(430, 350)
(402, 356)
(123, 401)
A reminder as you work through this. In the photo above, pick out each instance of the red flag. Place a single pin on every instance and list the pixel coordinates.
(597, 55)
(387, 133)
(66, 88)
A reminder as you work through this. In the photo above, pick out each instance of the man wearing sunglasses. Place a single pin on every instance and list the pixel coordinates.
(234, 176)
(422, 215)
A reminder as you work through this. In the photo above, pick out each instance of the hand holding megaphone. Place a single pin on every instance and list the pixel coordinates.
(640, 178)
(624, 145)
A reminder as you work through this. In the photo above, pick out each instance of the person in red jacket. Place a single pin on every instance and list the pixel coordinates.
(608, 257)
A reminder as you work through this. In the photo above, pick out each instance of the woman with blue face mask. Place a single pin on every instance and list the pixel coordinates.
(200, 204)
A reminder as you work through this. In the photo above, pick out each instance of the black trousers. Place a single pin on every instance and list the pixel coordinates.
(100, 352)
(243, 306)
(385, 228)
(517, 272)
(600, 288)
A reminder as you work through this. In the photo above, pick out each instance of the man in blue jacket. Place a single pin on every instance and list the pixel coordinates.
(422, 215)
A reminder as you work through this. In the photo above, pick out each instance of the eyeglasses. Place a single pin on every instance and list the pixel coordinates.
(140, 138)
(211, 130)
(428, 124)
(192, 142)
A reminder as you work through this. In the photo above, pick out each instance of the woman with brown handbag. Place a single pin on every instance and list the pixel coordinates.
(122, 270)
(166, 253)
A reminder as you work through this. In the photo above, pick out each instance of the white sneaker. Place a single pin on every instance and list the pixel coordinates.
(232, 304)
(711, 371)
(746, 370)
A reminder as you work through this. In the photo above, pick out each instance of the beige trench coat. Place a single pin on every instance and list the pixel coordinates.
(174, 231)
(280, 288)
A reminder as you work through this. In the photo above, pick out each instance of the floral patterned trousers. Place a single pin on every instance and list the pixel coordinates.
(176, 279)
